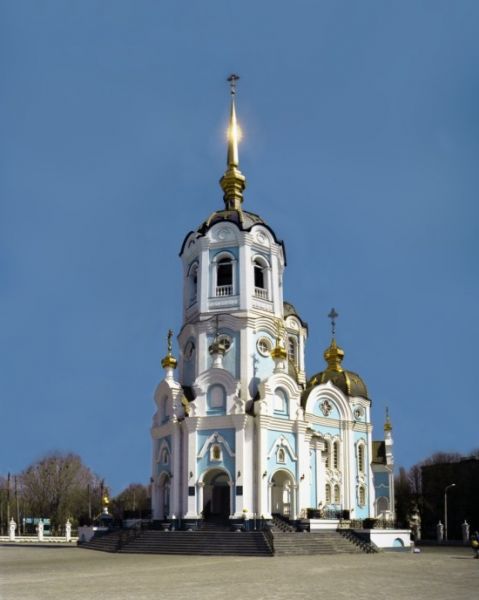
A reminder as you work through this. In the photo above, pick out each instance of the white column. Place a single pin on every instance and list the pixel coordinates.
(303, 467)
(237, 502)
(175, 472)
(263, 507)
(40, 531)
(204, 282)
(192, 510)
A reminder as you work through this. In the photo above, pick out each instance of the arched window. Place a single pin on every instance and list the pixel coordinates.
(164, 410)
(216, 399)
(193, 283)
(327, 493)
(361, 458)
(224, 277)
(165, 456)
(281, 456)
(327, 451)
(336, 455)
(337, 495)
(280, 406)
(293, 350)
(382, 505)
(362, 495)
(260, 267)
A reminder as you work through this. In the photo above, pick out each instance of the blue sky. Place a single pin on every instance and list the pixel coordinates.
(361, 144)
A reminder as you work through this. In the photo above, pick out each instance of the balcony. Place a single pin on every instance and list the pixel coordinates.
(261, 293)
(224, 290)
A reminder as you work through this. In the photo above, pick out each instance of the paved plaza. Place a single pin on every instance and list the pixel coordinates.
(56, 573)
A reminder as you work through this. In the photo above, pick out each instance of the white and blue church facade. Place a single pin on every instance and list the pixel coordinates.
(240, 430)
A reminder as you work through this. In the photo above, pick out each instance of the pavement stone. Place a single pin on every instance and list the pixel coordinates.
(71, 573)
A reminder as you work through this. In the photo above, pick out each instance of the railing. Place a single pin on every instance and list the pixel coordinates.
(224, 290)
(261, 293)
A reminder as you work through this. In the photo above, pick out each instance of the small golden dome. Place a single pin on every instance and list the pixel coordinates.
(347, 381)
(169, 362)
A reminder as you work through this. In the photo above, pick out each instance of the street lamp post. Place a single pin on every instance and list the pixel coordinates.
(445, 508)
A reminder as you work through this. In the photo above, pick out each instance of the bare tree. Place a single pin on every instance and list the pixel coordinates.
(59, 487)
(133, 500)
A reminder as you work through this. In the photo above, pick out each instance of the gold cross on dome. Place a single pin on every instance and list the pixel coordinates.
(333, 315)
(233, 78)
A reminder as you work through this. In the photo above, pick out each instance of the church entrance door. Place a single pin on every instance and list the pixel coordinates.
(217, 495)
(282, 494)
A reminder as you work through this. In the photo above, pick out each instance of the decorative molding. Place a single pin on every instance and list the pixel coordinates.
(215, 438)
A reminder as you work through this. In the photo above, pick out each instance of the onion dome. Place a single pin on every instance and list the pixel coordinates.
(348, 382)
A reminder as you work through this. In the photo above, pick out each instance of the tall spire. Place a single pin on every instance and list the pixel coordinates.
(233, 181)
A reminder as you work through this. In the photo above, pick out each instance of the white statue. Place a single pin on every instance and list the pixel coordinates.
(68, 531)
(12, 526)
(40, 531)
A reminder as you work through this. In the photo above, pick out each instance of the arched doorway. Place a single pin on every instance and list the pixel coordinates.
(216, 494)
(282, 494)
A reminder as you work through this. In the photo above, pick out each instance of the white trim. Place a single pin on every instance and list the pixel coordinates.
(215, 438)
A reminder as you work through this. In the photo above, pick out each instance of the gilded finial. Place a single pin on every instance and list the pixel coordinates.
(169, 362)
(334, 354)
(233, 181)
(388, 425)
(279, 351)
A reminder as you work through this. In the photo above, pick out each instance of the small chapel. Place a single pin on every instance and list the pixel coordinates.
(241, 431)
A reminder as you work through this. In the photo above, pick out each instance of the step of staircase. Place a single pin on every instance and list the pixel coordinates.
(306, 543)
(208, 543)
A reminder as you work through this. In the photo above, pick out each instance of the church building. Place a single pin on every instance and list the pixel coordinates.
(240, 429)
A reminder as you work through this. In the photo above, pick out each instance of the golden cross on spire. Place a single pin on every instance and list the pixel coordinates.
(233, 181)
(333, 315)
(170, 344)
(233, 78)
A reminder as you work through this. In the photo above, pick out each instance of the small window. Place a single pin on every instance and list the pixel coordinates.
(193, 283)
(327, 451)
(165, 456)
(217, 396)
(281, 456)
(264, 346)
(336, 455)
(292, 350)
(337, 495)
(215, 453)
(189, 350)
(224, 274)
(260, 268)
(259, 275)
(362, 495)
(280, 402)
(327, 494)
(361, 458)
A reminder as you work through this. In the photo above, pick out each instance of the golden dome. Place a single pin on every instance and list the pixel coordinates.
(347, 381)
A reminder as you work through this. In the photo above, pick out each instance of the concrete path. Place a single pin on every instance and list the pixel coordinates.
(56, 573)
